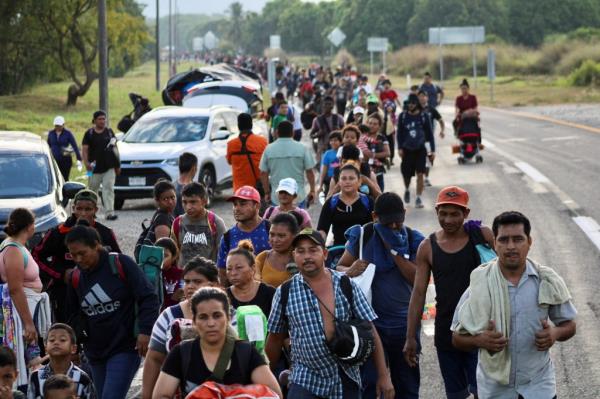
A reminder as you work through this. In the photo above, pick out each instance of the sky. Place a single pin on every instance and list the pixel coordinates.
(201, 6)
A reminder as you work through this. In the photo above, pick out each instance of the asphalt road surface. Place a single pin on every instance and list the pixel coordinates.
(550, 173)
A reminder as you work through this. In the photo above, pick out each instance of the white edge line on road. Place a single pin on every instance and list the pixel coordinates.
(532, 172)
(590, 227)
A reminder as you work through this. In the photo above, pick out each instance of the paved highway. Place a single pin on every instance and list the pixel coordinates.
(547, 171)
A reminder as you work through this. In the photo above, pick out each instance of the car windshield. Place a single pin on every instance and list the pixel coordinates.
(167, 130)
(24, 176)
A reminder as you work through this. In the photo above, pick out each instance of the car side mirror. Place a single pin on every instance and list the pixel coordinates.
(220, 135)
(71, 188)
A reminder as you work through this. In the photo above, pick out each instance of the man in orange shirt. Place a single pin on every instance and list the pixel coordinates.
(244, 153)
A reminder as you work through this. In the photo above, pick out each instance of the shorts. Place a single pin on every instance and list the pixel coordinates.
(413, 161)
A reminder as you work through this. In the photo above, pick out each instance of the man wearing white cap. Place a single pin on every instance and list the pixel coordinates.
(287, 192)
(62, 144)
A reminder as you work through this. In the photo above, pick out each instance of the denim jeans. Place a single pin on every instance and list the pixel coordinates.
(113, 377)
(351, 390)
(459, 372)
(406, 379)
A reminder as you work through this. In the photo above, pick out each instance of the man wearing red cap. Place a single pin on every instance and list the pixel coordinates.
(450, 254)
(249, 226)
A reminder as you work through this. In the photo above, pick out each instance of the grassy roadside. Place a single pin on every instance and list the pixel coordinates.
(512, 91)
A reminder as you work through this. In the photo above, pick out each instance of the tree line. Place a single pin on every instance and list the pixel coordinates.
(54, 40)
(303, 26)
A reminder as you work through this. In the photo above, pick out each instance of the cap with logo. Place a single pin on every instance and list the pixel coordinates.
(246, 193)
(86, 195)
(453, 195)
(59, 121)
(288, 185)
(311, 234)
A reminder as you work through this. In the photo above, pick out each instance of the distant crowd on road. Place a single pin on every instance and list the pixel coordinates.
(279, 305)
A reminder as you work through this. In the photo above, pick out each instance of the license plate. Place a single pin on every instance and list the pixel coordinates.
(137, 181)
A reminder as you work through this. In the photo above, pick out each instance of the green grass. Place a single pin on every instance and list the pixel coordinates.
(513, 91)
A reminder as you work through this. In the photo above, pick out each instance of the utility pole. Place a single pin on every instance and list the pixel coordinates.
(103, 56)
(157, 46)
(170, 37)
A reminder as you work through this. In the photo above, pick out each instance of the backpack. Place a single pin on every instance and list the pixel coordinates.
(212, 226)
(150, 261)
(415, 135)
(213, 390)
(147, 237)
(483, 249)
(364, 199)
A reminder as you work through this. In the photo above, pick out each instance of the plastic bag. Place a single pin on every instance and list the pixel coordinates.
(365, 280)
(429, 310)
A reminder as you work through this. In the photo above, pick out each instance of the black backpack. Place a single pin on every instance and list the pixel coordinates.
(146, 237)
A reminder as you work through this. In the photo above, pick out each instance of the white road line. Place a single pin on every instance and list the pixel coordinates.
(562, 138)
(532, 172)
(513, 140)
(590, 227)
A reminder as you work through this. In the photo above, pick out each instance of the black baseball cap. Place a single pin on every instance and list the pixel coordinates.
(311, 234)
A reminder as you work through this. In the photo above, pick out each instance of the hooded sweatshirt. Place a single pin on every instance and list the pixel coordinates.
(108, 303)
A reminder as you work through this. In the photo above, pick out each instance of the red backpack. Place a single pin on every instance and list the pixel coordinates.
(213, 390)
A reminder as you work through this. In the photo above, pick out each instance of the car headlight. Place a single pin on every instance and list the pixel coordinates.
(172, 162)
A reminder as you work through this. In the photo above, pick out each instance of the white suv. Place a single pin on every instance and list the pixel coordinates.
(150, 150)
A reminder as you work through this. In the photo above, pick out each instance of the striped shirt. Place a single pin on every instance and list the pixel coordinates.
(315, 368)
(161, 332)
(83, 383)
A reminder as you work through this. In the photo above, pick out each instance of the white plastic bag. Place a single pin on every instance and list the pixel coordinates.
(365, 280)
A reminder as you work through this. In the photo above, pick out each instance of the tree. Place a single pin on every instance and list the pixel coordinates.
(235, 26)
(71, 34)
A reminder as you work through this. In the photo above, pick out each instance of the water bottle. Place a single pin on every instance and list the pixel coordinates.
(89, 173)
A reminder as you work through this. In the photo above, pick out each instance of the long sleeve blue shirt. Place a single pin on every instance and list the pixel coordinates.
(58, 142)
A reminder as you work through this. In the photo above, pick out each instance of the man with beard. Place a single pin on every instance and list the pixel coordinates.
(53, 257)
(506, 314)
(306, 311)
(249, 226)
(451, 255)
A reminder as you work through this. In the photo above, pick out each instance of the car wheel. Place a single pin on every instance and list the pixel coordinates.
(119, 203)
(207, 177)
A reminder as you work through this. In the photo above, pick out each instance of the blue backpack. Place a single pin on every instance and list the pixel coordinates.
(335, 200)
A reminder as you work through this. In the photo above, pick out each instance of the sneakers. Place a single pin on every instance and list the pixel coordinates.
(406, 197)
(427, 182)
(419, 203)
(112, 216)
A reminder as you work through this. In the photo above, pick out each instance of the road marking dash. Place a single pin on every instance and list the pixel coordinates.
(590, 227)
(562, 138)
(532, 172)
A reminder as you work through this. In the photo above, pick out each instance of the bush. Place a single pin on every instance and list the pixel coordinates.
(343, 57)
(588, 74)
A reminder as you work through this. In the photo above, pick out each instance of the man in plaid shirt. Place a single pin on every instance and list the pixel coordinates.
(315, 295)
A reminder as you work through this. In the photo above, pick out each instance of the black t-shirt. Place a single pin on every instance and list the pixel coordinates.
(161, 218)
(342, 217)
(263, 298)
(97, 150)
(239, 372)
